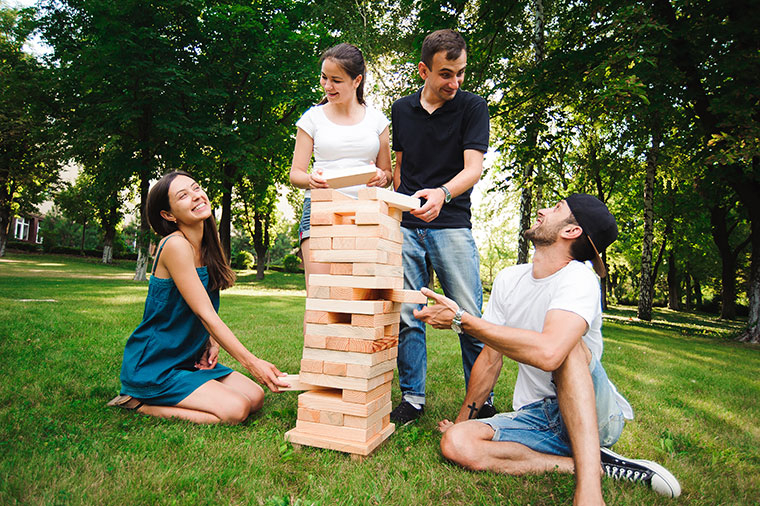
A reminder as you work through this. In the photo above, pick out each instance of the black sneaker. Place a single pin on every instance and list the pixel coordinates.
(486, 411)
(405, 413)
(651, 473)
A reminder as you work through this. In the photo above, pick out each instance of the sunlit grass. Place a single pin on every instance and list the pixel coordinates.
(695, 392)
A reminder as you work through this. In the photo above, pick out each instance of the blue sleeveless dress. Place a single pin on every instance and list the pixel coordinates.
(159, 359)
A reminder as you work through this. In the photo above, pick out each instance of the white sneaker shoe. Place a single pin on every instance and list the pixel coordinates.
(653, 474)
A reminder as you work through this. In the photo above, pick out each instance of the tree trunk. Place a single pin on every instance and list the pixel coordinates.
(143, 237)
(748, 192)
(108, 238)
(5, 223)
(526, 197)
(646, 283)
(674, 296)
(260, 242)
(225, 223)
(687, 290)
(525, 214)
(81, 243)
(720, 234)
(697, 293)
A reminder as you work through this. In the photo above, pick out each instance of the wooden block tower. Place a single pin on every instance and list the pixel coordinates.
(352, 320)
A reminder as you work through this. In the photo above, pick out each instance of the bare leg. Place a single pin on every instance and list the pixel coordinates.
(469, 444)
(226, 401)
(577, 404)
(310, 267)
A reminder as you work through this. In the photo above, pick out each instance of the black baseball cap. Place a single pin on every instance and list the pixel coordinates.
(597, 223)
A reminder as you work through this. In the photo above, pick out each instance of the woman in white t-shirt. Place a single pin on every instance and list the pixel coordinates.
(340, 132)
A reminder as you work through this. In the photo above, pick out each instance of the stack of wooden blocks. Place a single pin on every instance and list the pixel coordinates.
(352, 320)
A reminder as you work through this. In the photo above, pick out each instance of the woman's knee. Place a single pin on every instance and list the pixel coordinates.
(234, 409)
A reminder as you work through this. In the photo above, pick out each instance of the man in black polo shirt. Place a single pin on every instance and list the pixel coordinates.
(440, 135)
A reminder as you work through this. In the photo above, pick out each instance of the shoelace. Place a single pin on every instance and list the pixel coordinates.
(623, 473)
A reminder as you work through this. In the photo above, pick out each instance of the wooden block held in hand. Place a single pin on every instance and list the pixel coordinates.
(341, 178)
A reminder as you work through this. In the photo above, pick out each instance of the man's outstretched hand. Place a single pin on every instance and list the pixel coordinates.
(440, 314)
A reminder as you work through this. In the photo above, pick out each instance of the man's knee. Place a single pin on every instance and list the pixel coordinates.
(459, 444)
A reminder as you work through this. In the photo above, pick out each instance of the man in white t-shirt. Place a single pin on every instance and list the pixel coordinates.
(547, 317)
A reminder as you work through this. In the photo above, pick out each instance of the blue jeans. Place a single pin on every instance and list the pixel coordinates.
(539, 425)
(455, 259)
(304, 226)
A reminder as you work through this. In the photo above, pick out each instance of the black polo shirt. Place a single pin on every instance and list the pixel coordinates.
(433, 150)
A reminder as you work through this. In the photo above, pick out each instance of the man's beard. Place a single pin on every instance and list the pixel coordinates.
(542, 236)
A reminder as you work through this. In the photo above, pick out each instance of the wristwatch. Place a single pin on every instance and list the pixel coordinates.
(456, 323)
(446, 191)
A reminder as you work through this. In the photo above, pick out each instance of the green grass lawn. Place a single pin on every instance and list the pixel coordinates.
(64, 322)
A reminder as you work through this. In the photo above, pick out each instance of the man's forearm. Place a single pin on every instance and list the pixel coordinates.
(485, 373)
(468, 176)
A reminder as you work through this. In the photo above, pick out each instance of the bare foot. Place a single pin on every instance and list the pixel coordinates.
(445, 425)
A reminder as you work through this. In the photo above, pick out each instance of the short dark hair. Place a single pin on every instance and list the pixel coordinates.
(351, 60)
(442, 40)
(580, 248)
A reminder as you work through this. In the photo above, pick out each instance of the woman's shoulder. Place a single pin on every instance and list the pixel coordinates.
(376, 117)
(176, 247)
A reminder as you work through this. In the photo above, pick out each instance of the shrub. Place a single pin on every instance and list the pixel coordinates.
(24, 246)
(243, 260)
(291, 263)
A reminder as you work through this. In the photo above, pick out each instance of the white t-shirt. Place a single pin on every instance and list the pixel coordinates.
(343, 146)
(519, 300)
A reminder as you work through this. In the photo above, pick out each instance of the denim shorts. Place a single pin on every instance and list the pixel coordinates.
(305, 225)
(539, 425)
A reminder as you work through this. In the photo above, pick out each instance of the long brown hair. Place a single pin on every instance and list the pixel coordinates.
(350, 59)
(220, 275)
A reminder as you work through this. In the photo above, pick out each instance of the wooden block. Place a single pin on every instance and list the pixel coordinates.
(318, 292)
(341, 178)
(359, 397)
(325, 355)
(358, 231)
(325, 317)
(351, 207)
(348, 293)
(314, 341)
(350, 256)
(381, 320)
(392, 330)
(359, 345)
(343, 330)
(347, 433)
(360, 384)
(378, 269)
(297, 384)
(320, 243)
(395, 213)
(372, 282)
(337, 269)
(365, 218)
(297, 437)
(369, 371)
(393, 199)
(362, 422)
(315, 366)
(331, 400)
(344, 243)
(377, 243)
(334, 368)
(367, 307)
(324, 417)
(405, 296)
(328, 194)
(395, 259)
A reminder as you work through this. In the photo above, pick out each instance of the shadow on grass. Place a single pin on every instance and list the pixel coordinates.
(691, 323)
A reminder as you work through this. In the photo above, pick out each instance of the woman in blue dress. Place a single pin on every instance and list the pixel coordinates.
(170, 364)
